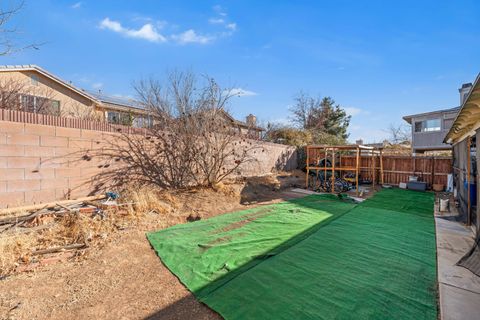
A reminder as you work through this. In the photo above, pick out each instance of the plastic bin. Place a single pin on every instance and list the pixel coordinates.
(473, 192)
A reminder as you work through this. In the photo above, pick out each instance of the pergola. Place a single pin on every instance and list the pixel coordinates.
(315, 153)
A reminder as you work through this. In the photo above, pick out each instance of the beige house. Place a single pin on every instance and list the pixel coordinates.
(33, 89)
(248, 128)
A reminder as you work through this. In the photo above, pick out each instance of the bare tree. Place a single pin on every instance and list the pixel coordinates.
(303, 109)
(399, 133)
(9, 33)
(191, 143)
(18, 95)
(80, 111)
(10, 94)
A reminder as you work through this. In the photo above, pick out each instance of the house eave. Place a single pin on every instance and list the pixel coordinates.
(467, 120)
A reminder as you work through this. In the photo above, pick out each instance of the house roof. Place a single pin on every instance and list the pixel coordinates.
(90, 95)
(410, 117)
(33, 67)
(468, 118)
(116, 100)
(100, 97)
(241, 123)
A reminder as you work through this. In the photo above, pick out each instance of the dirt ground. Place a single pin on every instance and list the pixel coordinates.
(124, 278)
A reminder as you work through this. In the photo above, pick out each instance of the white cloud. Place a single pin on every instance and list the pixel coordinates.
(190, 36)
(216, 21)
(76, 5)
(231, 26)
(351, 111)
(223, 20)
(219, 10)
(239, 92)
(147, 31)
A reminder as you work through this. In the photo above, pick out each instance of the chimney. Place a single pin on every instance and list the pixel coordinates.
(359, 141)
(464, 91)
(251, 120)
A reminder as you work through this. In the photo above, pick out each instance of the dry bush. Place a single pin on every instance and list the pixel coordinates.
(146, 200)
(192, 142)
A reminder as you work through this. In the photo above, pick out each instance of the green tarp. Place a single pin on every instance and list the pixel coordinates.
(312, 258)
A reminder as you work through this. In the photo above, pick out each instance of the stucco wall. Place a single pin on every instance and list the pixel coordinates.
(422, 141)
(42, 163)
(72, 104)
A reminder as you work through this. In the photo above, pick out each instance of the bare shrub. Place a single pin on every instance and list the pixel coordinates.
(79, 111)
(192, 142)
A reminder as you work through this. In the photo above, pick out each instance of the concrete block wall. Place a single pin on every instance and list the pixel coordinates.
(43, 163)
(40, 163)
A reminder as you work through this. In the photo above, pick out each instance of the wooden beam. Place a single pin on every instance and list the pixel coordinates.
(469, 164)
(308, 166)
(381, 167)
(48, 205)
(373, 170)
(333, 171)
(357, 171)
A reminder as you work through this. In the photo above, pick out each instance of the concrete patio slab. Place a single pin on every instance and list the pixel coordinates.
(459, 289)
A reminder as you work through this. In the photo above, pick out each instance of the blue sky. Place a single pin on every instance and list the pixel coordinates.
(380, 60)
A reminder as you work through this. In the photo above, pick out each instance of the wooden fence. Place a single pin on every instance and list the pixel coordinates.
(397, 169)
(76, 123)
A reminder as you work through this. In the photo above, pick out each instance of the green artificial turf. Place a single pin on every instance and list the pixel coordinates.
(312, 258)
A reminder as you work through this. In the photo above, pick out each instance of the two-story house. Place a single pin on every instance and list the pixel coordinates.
(430, 128)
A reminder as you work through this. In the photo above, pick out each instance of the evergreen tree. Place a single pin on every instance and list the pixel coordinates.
(328, 122)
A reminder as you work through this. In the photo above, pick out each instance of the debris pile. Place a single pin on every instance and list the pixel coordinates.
(41, 234)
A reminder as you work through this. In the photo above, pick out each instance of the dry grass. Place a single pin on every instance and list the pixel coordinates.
(146, 200)
(13, 251)
(144, 208)
(16, 246)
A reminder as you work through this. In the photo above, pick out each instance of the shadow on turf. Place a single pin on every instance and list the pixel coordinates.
(190, 307)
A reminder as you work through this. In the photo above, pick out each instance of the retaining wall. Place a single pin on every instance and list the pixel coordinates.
(43, 163)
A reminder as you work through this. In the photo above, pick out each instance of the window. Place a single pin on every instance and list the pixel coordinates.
(418, 126)
(430, 125)
(116, 117)
(41, 105)
(142, 122)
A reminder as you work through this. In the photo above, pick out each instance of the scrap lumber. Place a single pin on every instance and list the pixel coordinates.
(16, 220)
(48, 205)
(58, 249)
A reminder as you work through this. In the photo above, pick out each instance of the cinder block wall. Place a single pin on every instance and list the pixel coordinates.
(43, 163)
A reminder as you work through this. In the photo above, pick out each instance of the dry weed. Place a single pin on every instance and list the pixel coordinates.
(14, 250)
(146, 200)
(225, 189)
